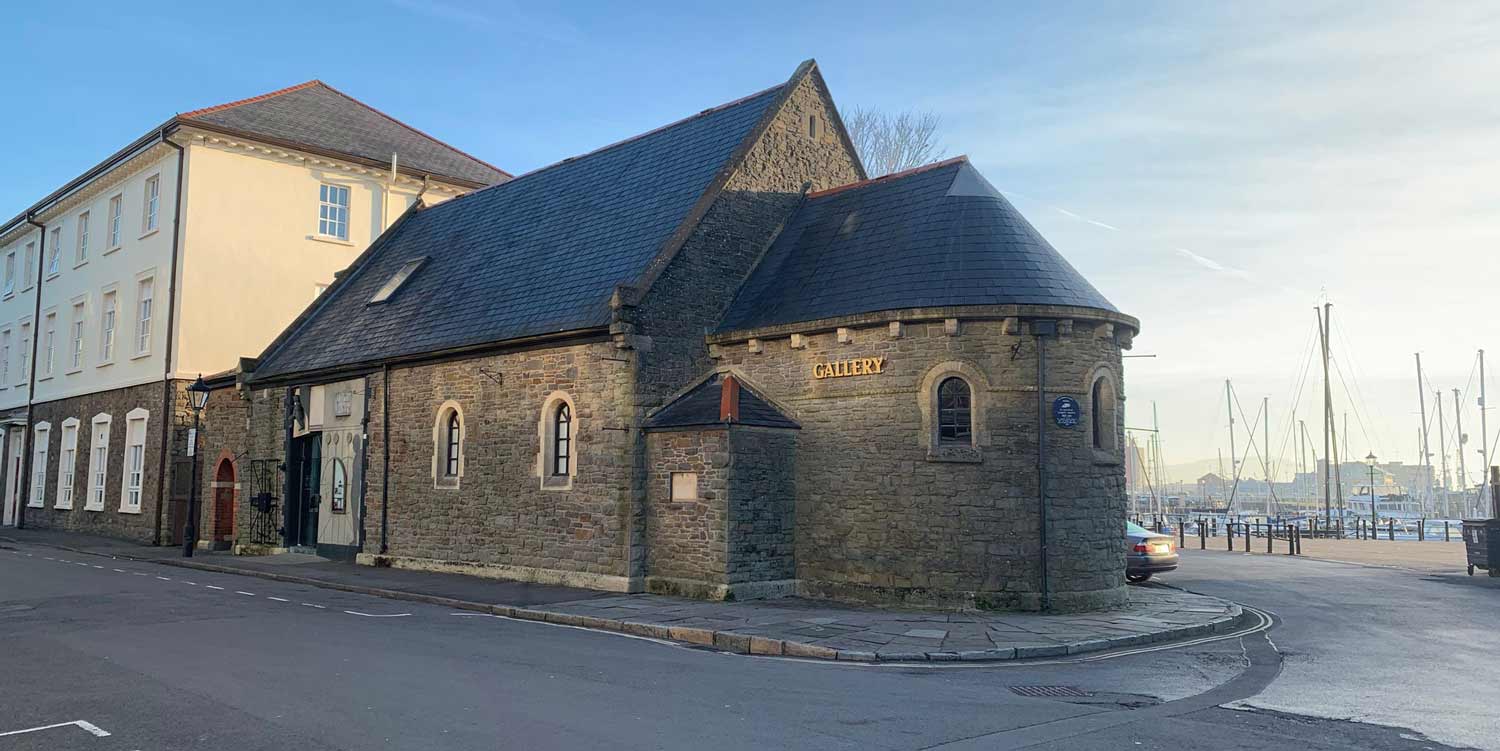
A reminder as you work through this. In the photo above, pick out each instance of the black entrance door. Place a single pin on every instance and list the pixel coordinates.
(302, 509)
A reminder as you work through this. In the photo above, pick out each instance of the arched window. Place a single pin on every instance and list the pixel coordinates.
(450, 445)
(340, 498)
(955, 412)
(1102, 409)
(448, 464)
(562, 440)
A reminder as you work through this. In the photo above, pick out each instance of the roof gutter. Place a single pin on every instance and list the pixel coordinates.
(166, 379)
(344, 372)
(341, 156)
(72, 186)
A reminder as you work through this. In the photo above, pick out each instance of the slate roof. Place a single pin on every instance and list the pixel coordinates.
(317, 115)
(932, 237)
(537, 255)
(700, 407)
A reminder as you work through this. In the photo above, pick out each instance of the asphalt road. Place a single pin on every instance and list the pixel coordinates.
(160, 657)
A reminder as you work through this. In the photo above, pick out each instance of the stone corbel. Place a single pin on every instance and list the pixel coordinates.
(754, 346)
(1011, 326)
(897, 330)
(845, 336)
(799, 341)
(1065, 327)
(950, 326)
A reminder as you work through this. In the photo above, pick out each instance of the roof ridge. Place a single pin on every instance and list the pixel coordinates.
(892, 176)
(413, 129)
(253, 99)
(623, 141)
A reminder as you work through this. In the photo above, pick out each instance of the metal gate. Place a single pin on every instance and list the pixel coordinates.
(264, 522)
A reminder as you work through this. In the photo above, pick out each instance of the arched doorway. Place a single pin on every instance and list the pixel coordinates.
(223, 487)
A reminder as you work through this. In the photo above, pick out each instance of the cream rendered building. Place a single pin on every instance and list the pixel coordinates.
(191, 247)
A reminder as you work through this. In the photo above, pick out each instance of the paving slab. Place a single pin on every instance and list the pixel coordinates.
(790, 626)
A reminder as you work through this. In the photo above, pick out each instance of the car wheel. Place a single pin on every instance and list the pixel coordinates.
(1137, 578)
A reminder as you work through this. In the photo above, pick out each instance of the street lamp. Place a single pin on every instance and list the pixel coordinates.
(1374, 520)
(198, 397)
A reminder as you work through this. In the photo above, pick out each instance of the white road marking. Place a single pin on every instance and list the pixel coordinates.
(210, 586)
(48, 557)
(140, 573)
(99, 567)
(310, 605)
(185, 581)
(120, 570)
(278, 599)
(247, 594)
(377, 615)
(89, 726)
(163, 578)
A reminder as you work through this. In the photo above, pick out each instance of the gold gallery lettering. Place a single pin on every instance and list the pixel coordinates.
(842, 368)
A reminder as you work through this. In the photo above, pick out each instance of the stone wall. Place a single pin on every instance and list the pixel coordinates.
(882, 516)
(687, 540)
(762, 494)
(111, 521)
(499, 514)
(738, 531)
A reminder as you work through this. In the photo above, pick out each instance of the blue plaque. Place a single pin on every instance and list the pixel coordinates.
(1066, 412)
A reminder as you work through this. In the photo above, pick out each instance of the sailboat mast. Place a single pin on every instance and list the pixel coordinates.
(1234, 457)
(1323, 324)
(1458, 428)
(1265, 455)
(1484, 442)
(1426, 452)
(1442, 452)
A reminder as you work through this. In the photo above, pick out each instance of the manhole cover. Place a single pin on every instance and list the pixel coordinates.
(1048, 691)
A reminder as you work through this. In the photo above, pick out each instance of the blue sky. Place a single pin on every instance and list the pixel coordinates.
(1215, 169)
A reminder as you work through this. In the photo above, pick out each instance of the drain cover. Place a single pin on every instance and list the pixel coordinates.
(1068, 691)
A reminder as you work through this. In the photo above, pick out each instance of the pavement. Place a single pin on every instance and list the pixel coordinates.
(162, 657)
(791, 626)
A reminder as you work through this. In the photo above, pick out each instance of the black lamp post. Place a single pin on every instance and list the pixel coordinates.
(1374, 519)
(198, 395)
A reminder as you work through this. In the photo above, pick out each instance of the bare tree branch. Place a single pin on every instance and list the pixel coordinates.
(889, 142)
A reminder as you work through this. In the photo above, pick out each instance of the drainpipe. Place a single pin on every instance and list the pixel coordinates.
(36, 328)
(385, 452)
(166, 379)
(1042, 330)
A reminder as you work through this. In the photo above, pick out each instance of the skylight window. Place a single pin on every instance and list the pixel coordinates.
(397, 279)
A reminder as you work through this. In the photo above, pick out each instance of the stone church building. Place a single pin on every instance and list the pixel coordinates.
(716, 360)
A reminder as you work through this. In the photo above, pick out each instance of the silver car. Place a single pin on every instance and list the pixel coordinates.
(1147, 553)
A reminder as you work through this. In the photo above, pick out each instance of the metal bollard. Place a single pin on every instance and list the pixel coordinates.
(1297, 539)
(1229, 535)
(1422, 529)
(1390, 530)
(1202, 535)
(1181, 533)
(1445, 531)
(1269, 539)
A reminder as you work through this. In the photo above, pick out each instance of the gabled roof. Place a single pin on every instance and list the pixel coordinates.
(936, 236)
(536, 256)
(700, 406)
(316, 115)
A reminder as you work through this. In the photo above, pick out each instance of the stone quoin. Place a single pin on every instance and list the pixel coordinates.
(716, 360)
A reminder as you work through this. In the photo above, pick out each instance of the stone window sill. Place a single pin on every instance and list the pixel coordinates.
(554, 482)
(956, 454)
(130, 511)
(445, 483)
(149, 233)
(330, 239)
